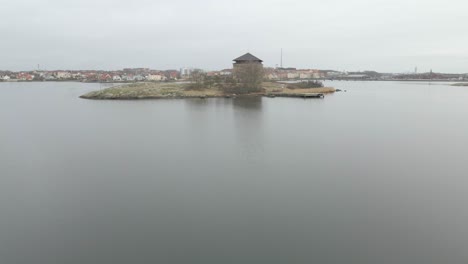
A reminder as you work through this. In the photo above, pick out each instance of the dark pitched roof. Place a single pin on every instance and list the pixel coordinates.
(248, 57)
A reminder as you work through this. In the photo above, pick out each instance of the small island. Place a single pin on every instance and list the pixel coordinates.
(460, 84)
(182, 90)
(246, 80)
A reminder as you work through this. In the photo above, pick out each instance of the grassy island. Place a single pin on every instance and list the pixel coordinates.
(161, 90)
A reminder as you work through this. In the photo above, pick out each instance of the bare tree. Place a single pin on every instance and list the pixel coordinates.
(197, 78)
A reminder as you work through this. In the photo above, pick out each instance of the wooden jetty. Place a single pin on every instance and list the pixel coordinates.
(297, 95)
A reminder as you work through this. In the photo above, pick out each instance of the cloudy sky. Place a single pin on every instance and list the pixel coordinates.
(382, 35)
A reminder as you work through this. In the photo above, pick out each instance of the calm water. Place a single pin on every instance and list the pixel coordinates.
(378, 174)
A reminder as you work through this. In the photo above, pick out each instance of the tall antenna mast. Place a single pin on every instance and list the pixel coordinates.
(281, 64)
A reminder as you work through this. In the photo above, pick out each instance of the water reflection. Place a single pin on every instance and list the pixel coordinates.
(248, 120)
(196, 103)
(248, 103)
(241, 119)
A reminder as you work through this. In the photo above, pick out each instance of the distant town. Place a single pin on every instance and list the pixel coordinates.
(272, 74)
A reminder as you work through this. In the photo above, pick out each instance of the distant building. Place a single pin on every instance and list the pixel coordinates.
(128, 77)
(155, 77)
(212, 73)
(247, 59)
(287, 69)
(248, 70)
(139, 78)
(293, 75)
(23, 76)
(246, 62)
(136, 71)
(63, 75)
(172, 74)
(105, 77)
(226, 72)
(357, 76)
(185, 72)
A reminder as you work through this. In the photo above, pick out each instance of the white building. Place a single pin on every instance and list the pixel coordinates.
(139, 78)
(155, 77)
(305, 75)
(226, 72)
(76, 75)
(293, 75)
(317, 75)
(272, 76)
(128, 78)
(63, 75)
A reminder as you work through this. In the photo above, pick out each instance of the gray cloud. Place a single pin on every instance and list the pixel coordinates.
(335, 34)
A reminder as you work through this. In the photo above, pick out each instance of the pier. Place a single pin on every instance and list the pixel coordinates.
(297, 95)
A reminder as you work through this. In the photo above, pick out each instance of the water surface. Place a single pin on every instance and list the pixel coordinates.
(377, 174)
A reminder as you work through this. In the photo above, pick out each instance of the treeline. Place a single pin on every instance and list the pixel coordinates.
(247, 79)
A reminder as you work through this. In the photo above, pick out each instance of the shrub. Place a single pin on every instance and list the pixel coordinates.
(305, 85)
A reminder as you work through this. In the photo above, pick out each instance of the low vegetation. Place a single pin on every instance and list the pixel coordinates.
(282, 88)
(305, 85)
(151, 91)
(216, 86)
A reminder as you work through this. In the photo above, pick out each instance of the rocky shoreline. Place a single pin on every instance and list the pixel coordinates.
(460, 84)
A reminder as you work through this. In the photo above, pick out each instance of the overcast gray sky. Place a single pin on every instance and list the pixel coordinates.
(383, 35)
